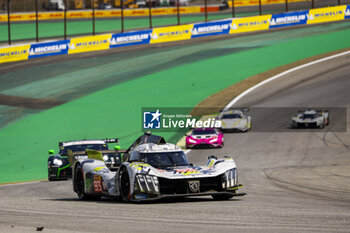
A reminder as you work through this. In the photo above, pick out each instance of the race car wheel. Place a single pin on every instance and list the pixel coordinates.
(124, 185)
(79, 186)
(220, 197)
(322, 125)
(50, 178)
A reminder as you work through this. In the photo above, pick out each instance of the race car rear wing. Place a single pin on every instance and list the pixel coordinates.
(107, 140)
(147, 137)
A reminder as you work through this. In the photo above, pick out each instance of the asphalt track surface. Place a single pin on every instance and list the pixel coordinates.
(296, 182)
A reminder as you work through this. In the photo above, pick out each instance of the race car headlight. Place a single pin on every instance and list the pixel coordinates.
(229, 179)
(58, 162)
(213, 140)
(105, 157)
(147, 183)
(192, 140)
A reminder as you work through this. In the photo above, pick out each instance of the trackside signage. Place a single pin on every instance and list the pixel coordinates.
(15, 53)
(49, 49)
(130, 38)
(91, 43)
(212, 28)
(174, 33)
(347, 12)
(288, 19)
(175, 119)
(327, 14)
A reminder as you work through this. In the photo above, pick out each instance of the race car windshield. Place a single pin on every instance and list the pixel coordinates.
(165, 159)
(231, 116)
(75, 148)
(203, 132)
(305, 116)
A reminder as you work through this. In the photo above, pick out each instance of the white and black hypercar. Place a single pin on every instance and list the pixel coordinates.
(235, 120)
(310, 119)
(153, 169)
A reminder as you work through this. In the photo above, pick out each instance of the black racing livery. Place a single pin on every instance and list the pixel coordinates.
(59, 167)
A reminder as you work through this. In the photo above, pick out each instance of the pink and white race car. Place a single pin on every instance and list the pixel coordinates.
(205, 137)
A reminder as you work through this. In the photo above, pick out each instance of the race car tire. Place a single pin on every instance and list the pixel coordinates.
(221, 197)
(322, 125)
(50, 178)
(124, 185)
(79, 186)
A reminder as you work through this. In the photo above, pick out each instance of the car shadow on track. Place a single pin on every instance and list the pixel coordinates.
(165, 201)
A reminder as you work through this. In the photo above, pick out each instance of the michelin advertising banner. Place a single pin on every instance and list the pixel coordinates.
(249, 24)
(174, 33)
(15, 53)
(130, 38)
(347, 12)
(327, 14)
(49, 49)
(90, 43)
(288, 19)
(211, 29)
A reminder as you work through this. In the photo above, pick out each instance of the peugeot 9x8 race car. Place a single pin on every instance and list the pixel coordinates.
(209, 137)
(59, 167)
(310, 119)
(235, 120)
(152, 170)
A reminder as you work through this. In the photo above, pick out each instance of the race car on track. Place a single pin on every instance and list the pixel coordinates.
(152, 170)
(310, 119)
(235, 120)
(59, 167)
(208, 137)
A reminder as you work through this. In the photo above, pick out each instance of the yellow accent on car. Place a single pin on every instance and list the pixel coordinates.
(98, 168)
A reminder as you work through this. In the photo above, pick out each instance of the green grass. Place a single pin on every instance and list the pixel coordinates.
(116, 111)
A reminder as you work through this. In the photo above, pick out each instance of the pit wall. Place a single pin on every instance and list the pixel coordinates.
(174, 33)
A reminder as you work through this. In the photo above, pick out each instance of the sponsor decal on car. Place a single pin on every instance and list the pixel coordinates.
(97, 184)
(194, 186)
(187, 171)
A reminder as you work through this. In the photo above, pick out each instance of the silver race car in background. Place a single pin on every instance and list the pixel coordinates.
(235, 120)
(310, 119)
(153, 169)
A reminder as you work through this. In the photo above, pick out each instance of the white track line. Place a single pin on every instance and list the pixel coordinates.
(237, 98)
(240, 96)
